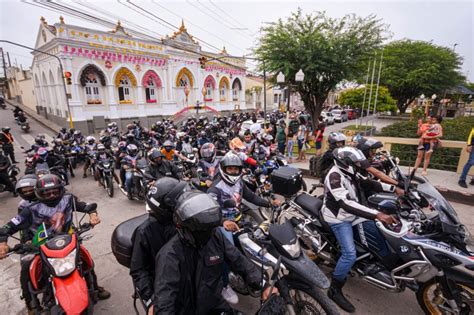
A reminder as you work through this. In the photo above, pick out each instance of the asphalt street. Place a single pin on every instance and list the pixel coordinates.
(112, 211)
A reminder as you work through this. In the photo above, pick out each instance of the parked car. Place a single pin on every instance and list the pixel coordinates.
(247, 124)
(328, 118)
(351, 114)
(339, 115)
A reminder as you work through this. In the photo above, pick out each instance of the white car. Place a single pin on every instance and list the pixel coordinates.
(328, 118)
(247, 124)
(339, 115)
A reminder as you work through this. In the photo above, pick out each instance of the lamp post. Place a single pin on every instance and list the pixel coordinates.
(422, 98)
(433, 98)
(299, 77)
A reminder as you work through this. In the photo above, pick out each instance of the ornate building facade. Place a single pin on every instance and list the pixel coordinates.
(117, 77)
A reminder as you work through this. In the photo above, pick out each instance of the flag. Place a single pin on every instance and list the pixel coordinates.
(40, 236)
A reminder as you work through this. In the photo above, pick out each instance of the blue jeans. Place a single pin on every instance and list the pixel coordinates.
(290, 148)
(345, 237)
(281, 147)
(467, 166)
(230, 236)
(128, 180)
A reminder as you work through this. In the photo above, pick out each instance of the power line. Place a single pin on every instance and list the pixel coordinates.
(230, 16)
(197, 26)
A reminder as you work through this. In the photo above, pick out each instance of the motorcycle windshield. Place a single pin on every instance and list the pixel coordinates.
(446, 212)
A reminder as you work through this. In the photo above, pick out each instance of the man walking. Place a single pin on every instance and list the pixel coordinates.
(470, 161)
(6, 140)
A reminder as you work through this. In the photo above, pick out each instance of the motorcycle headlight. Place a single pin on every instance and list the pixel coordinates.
(106, 164)
(64, 266)
(293, 249)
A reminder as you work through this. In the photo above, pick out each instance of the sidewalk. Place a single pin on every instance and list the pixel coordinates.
(33, 115)
(446, 182)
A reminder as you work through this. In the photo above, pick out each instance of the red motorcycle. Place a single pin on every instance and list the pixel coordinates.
(60, 274)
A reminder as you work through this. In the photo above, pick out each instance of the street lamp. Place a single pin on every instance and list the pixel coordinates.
(433, 97)
(299, 77)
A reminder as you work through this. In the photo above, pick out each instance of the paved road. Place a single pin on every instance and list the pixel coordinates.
(368, 300)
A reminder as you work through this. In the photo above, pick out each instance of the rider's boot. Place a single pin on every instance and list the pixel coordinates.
(335, 294)
(102, 294)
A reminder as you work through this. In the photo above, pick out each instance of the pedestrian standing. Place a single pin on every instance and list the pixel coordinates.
(301, 137)
(281, 136)
(6, 139)
(318, 135)
(470, 161)
(426, 150)
(291, 137)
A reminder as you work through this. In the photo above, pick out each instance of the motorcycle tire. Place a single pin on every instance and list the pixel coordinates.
(304, 187)
(427, 305)
(109, 186)
(320, 304)
(74, 163)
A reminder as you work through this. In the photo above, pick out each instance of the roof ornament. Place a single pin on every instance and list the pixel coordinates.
(61, 19)
(119, 29)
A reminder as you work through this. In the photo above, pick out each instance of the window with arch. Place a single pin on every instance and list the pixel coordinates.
(92, 78)
(152, 83)
(124, 89)
(223, 88)
(124, 81)
(210, 85)
(150, 92)
(236, 88)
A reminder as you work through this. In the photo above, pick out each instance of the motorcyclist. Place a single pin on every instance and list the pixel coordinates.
(160, 167)
(25, 187)
(130, 139)
(130, 158)
(78, 137)
(237, 147)
(221, 143)
(39, 143)
(103, 154)
(335, 140)
(344, 203)
(208, 162)
(21, 117)
(170, 153)
(89, 148)
(6, 141)
(263, 148)
(45, 156)
(155, 232)
(55, 209)
(4, 179)
(111, 128)
(228, 185)
(186, 147)
(63, 134)
(59, 149)
(191, 264)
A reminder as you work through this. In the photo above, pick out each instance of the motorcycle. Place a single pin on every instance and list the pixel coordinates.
(275, 249)
(427, 254)
(25, 126)
(60, 274)
(139, 183)
(105, 176)
(12, 172)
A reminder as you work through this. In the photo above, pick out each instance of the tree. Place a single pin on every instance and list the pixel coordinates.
(328, 50)
(411, 68)
(355, 98)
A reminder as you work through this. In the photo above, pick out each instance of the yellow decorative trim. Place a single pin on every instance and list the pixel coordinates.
(125, 72)
(223, 81)
(126, 102)
(184, 71)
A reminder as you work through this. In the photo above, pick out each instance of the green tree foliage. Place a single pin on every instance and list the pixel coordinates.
(355, 98)
(411, 68)
(327, 50)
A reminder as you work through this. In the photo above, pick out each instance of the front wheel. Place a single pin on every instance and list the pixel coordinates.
(109, 185)
(311, 301)
(432, 301)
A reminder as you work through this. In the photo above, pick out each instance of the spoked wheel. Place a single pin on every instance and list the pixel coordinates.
(109, 186)
(311, 301)
(431, 299)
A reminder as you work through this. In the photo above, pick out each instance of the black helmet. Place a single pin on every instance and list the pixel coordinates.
(208, 152)
(49, 190)
(63, 130)
(350, 160)
(104, 139)
(162, 197)
(154, 154)
(6, 129)
(27, 181)
(230, 160)
(368, 146)
(132, 149)
(130, 137)
(336, 137)
(197, 215)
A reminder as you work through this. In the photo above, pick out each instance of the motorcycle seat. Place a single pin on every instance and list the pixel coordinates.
(309, 203)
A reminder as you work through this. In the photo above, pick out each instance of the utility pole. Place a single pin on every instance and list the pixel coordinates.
(5, 74)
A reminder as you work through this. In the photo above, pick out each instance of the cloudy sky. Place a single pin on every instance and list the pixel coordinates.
(236, 24)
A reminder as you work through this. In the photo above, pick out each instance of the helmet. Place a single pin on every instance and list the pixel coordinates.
(197, 215)
(58, 141)
(104, 139)
(368, 146)
(132, 150)
(111, 125)
(168, 145)
(153, 155)
(208, 152)
(130, 137)
(90, 139)
(43, 153)
(77, 133)
(101, 148)
(350, 160)
(230, 160)
(6, 129)
(49, 190)
(122, 144)
(266, 139)
(336, 138)
(63, 130)
(25, 187)
(38, 140)
(162, 196)
(130, 126)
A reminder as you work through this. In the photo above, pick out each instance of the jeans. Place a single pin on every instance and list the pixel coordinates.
(230, 236)
(345, 237)
(281, 147)
(128, 180)
(467, 166)
(290, 148)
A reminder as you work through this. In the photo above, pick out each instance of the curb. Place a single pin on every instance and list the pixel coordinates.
(451, 195)
(34, 117)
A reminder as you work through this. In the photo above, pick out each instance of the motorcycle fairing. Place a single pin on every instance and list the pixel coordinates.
(72, 293)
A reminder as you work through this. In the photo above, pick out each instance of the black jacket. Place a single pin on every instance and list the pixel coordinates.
(190, 280)
(166, 168)
(147, 240)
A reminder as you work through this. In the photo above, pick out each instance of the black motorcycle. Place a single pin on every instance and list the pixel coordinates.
(105, 175)
(12, 172)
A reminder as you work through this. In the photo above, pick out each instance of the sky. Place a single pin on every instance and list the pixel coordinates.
(236, 24)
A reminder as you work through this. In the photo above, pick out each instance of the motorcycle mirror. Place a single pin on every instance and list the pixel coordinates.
(230, 203)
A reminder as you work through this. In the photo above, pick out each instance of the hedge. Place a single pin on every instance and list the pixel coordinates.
(457, 129)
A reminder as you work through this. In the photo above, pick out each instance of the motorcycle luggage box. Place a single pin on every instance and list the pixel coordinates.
(286, 181)
(122, 239)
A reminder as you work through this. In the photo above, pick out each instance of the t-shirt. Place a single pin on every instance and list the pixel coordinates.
(321, 127)
(281, 136)
(301, 132)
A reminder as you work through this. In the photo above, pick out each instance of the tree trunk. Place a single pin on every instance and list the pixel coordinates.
(314, 106)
